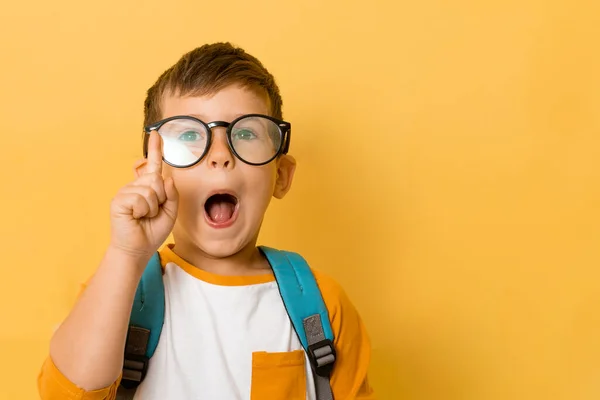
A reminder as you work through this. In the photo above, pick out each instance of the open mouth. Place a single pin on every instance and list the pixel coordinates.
(221, 209)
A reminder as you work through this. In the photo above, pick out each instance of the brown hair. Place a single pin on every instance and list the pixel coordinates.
(208, 69)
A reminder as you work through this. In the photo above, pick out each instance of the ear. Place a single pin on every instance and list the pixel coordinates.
(286, 166)
(139, 167)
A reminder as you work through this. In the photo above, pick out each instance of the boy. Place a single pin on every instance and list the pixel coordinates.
(216, 153)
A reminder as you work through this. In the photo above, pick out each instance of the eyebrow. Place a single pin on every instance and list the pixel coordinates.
(202, 117)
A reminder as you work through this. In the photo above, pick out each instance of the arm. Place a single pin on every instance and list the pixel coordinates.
(86, 352)
(88, 346)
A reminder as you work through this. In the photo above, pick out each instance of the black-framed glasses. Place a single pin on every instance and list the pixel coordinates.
(255, 139)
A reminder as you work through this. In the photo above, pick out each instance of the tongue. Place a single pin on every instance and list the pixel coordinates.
(220, 211)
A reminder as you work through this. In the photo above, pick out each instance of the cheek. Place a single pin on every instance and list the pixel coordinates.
(188, 189)
(261, 184)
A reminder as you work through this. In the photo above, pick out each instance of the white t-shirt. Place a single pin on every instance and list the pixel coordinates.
(214, 327)
(229, 337)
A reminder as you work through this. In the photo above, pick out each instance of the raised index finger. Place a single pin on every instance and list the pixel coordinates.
(154, 153)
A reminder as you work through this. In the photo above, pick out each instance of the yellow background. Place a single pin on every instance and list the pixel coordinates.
(449, 173)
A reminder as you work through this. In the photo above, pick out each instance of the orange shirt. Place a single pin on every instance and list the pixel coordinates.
(349, 378)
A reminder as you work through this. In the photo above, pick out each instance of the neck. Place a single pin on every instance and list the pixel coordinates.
(247, 261)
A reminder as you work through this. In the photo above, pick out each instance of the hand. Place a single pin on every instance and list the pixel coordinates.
(143, 212)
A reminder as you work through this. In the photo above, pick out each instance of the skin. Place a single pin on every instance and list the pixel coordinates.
(88, 346)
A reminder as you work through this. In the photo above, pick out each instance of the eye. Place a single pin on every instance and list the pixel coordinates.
(189, 136)
(243, 134)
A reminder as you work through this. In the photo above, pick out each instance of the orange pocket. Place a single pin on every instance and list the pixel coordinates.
(278, 376)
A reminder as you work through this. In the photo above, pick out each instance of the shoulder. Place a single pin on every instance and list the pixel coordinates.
(334, 296)
(345, 319)
(351, 341)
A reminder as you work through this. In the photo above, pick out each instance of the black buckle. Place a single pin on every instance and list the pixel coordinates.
(134, 370)
(135, 363)
(322, 357)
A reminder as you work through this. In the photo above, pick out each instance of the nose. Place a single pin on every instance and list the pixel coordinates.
(219, 155)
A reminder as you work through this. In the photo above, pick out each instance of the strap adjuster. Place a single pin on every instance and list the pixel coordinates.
(135, 363)
(134, 371)
(322, 357)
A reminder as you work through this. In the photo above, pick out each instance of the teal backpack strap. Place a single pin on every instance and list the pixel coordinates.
(145, 326)
(306, 308)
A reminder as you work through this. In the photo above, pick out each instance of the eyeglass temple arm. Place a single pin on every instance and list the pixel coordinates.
(288, 139)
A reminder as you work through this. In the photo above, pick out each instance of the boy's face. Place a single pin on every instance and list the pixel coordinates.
(223, 225)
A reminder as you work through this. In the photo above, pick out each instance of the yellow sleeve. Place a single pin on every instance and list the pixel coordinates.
(53, 385)
(349, 379)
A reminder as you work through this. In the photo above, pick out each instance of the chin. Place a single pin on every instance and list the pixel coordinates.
(212, 245)
(221, 248)
(217, 243)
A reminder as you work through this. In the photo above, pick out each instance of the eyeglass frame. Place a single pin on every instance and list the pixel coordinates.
(285, 130)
